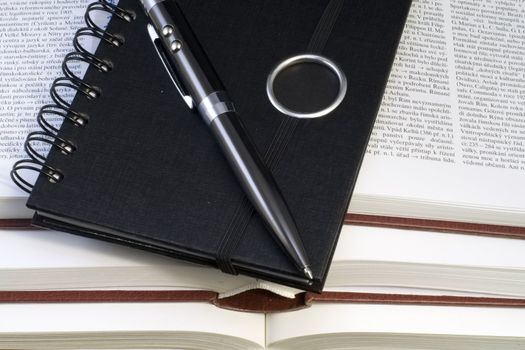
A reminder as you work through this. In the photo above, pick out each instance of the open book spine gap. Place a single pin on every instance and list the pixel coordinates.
(62, 107)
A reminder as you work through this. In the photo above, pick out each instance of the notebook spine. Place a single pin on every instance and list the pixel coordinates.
(61, 107)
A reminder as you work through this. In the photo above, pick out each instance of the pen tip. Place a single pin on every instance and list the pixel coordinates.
(308, 273)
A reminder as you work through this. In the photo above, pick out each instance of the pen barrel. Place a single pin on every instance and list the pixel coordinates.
(184, 51)
(197, 77)
(258, 183)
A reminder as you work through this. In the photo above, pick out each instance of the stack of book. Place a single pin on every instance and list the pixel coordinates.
(430, 255)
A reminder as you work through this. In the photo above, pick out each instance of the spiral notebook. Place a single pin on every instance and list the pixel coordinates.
(132, 164)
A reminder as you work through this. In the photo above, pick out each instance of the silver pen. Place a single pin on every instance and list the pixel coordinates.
(199, 85)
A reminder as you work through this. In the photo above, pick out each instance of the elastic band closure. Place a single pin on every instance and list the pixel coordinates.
(325, 26)
(282, 136)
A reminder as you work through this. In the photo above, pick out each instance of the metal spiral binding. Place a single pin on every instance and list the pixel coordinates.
(62, 108)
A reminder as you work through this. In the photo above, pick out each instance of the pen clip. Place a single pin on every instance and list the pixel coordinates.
(171, 72)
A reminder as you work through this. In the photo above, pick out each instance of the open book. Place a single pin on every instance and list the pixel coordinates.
(367, 259)
(449, 141)
(202, 326)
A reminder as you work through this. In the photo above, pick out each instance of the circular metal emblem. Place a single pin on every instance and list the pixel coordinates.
(306, 58)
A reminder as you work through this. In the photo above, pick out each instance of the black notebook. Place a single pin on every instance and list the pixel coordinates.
(146, 172)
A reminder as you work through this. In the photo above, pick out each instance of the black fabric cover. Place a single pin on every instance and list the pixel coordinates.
(148, 173)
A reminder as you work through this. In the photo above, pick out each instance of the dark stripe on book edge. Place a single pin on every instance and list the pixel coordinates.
(101, 296)
(435, 225)
(15, 223)
(256, 300)
(408, 299)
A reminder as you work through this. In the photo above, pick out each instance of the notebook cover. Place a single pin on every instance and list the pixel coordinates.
(148, 173)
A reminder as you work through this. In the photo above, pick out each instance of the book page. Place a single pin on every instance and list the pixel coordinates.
(426, 262)
(452, 123)
(376, 244)
(34, 38)
(128, 325)
(330, 319)
(51, 260)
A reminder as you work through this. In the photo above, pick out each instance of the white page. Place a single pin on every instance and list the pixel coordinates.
(325, 318)
(44, 319)
(444, 108)
(384, 257)
(51, 251)
(60, 260)
(362, 243)
(26, 249)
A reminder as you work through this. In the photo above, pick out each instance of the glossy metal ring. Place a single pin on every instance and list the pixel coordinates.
(306, 58)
